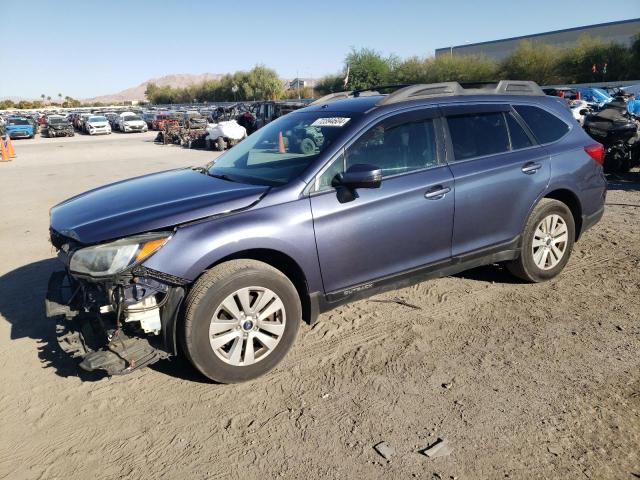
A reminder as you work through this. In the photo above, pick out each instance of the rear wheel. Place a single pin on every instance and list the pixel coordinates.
(547, 242)
(221, 144)
(241, 319)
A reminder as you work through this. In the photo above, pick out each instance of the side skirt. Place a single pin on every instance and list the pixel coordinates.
(487, 256)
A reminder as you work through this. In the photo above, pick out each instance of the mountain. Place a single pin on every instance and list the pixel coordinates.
(180, 80)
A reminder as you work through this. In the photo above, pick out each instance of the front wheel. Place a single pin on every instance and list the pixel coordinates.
(546, 242)
(241, 318)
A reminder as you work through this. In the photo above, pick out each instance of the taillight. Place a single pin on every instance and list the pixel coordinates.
(596, 152)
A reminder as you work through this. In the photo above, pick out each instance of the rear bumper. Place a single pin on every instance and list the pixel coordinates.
(87, 330)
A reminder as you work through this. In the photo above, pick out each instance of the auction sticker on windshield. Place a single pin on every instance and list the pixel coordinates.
(330, 122)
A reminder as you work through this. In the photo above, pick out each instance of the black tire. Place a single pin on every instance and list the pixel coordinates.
(307, 146)
(209, 291)
(524, 266)
(221, 144)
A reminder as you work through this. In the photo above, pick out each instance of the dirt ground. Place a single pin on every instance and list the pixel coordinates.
(523, 381)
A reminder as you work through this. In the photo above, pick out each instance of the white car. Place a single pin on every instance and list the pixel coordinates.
(97, 124)
(130, 122)
(224, 135)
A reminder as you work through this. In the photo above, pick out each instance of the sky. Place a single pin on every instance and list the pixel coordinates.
(88, 48)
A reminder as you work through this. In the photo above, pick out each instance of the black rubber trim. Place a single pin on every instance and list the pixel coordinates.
(486, 256)
(589, 221)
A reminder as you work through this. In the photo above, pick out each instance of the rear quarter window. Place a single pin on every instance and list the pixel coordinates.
(545, 126)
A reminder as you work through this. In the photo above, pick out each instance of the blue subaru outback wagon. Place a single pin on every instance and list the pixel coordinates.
(359, 192)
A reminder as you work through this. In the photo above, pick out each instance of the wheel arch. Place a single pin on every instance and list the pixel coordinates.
(288, 266)
(572, 201)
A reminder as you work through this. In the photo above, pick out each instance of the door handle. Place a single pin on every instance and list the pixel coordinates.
(531, 168)
(437, 192)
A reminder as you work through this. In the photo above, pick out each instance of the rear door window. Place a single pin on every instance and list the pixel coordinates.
(545, 126)
(519, 138)
(478, 134)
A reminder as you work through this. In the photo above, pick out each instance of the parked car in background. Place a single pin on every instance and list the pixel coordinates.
(58, 126)
(227, 259)
(130, 122)
(19, 127)
(193, 119)
(594, 95)
(148, 118)
(98, 125)
(266, 112)
(161, 119)
(33, 120)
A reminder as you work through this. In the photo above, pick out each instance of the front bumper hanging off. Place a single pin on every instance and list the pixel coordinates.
(87, 327)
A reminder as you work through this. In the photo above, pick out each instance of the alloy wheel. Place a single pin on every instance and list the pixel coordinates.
(247, 326)
(549, 242)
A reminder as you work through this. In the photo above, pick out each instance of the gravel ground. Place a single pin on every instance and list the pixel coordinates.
(523, 381)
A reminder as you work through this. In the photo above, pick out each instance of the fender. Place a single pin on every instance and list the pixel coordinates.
(257, 228)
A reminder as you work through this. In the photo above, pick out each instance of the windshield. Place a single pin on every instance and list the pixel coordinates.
(57, 120)
(97, 119)
(18, 121)
(131, 118)
(282, 150)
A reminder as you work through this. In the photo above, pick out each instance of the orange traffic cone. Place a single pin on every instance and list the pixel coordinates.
(4, 151)
(12, 152)
(281, 148)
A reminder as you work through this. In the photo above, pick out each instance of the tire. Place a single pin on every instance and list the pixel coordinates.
(541, 263)
(208, 143)
(205, 303)
(221, 144)
(307, 146)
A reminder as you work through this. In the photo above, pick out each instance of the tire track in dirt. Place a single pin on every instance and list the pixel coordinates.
(337, 410)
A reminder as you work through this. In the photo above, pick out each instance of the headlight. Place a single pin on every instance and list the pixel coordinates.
(114, 257)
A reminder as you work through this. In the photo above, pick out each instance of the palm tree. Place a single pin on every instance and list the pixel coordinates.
(49, 99)
(60, 97)
(42, 97)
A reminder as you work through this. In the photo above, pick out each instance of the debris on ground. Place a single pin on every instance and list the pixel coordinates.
(438, 449)
(385, 450)
(399, 301)
(555, 449)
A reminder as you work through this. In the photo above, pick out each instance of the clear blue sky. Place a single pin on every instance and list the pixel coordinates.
(87, 48)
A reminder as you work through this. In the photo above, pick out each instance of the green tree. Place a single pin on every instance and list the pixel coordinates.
(575, 63)
(533, 61)
(330, 84)
(368, 68)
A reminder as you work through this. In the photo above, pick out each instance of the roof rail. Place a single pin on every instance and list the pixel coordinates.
(332, 97)
(406, 92)
(503, 87)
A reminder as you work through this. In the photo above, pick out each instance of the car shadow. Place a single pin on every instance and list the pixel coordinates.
(490, 274)
(22, 305)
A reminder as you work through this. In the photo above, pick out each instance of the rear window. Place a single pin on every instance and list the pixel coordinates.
(478, 134)
(545, 126)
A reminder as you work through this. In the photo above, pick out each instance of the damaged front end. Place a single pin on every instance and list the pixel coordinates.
(110, 311)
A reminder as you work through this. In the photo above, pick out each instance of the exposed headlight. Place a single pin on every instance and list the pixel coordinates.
(114, 257)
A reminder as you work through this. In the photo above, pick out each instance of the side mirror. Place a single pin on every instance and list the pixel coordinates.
(360, 175)
(584, 111)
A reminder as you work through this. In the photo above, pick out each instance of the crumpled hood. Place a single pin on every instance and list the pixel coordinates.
(152, 202)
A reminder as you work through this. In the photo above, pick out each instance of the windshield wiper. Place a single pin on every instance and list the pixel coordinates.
(222, 176)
